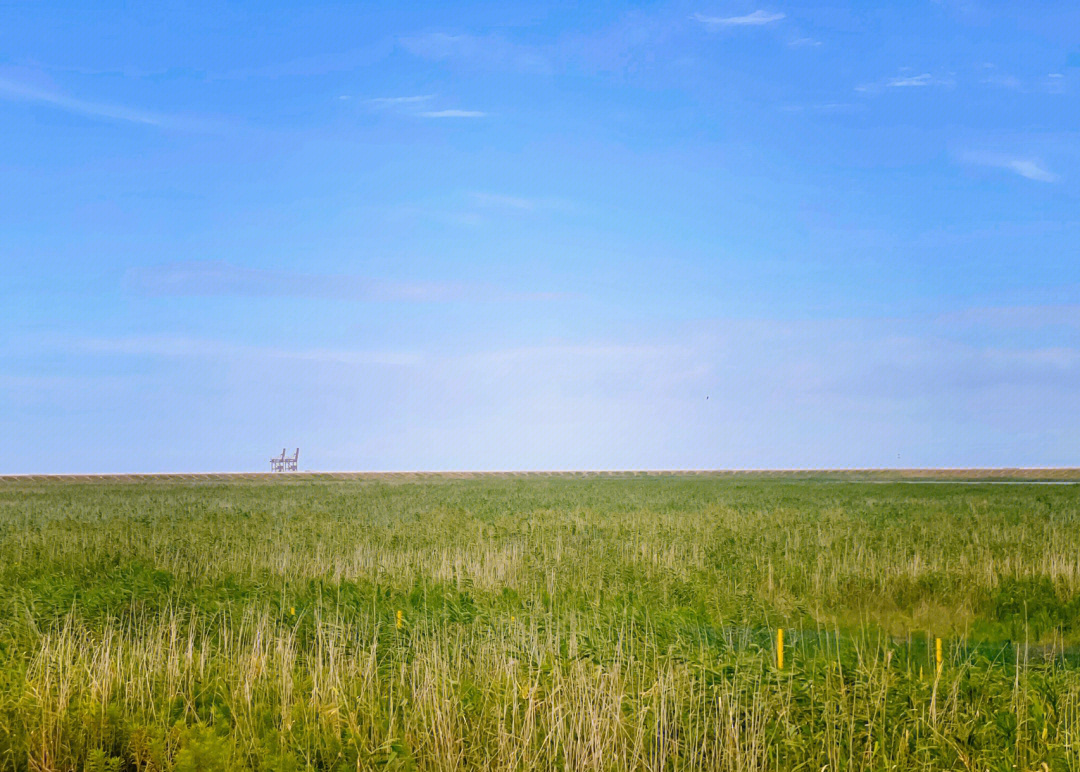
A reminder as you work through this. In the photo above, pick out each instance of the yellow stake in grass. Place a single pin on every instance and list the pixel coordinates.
(937, 653)
(399, 619)
(779, 648)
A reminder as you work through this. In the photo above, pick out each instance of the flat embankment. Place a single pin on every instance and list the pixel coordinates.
(1035, 474)
(603, 621)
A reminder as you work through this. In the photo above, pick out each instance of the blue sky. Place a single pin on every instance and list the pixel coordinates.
(520, 235)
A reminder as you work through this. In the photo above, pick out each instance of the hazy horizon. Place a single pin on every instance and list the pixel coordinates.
(470, 236)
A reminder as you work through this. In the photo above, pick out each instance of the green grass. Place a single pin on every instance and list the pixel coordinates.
(547, 623)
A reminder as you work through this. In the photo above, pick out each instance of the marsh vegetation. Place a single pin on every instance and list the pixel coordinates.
(579, 624)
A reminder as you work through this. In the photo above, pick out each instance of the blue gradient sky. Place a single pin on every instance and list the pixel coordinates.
(505, 236)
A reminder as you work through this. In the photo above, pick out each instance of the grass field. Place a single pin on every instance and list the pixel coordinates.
(539, 623)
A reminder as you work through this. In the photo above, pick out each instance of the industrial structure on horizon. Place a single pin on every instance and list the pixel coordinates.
(284, 463)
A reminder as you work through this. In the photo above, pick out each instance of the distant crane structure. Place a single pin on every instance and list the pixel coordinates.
(284, 463)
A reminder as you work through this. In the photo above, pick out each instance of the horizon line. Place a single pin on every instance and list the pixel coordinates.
(1061, 473)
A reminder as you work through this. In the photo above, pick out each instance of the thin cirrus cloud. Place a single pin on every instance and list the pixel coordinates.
(217, 278)
(482, 51)
(911, 81)
(907, 81)
(414, 105)
(758, 18)
(23, 92)
(632, 43)
(1028, 168)
(199, 348)
(452, 114)
(399, 100)
(18, 91)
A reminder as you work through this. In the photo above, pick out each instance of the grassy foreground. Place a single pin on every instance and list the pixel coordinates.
(573, 624)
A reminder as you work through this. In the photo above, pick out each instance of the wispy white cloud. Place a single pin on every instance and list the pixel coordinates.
(1032, 170)
(200, 348)
(415, 104)
(822, 107)
(1053, 82)
(23, 92)
(399, 100)
(478, 51)
(907, 81)
(756, 19)
(1029, 168)
(216, 278)
(452, 114)
(635, 42)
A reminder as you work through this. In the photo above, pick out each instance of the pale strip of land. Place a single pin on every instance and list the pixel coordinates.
(1059, 474)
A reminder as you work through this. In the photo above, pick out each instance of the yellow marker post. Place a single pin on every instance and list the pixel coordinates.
(399, 619)
(779, 648)
(937, 653)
